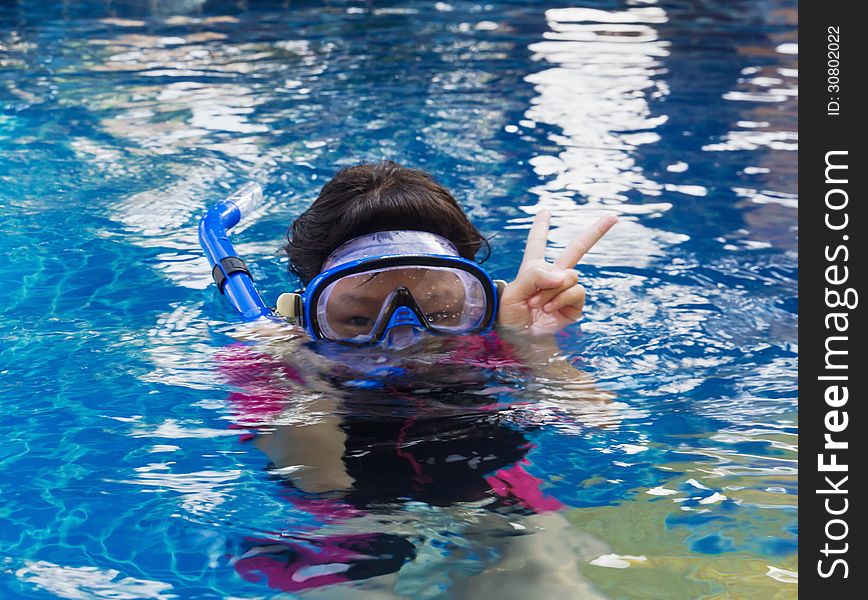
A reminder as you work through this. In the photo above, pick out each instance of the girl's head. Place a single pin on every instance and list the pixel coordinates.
(370, 198)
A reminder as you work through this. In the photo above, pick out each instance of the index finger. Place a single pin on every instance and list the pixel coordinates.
(580, 245)
(538, 237)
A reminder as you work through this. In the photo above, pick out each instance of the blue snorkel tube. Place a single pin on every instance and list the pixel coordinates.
(231, 275)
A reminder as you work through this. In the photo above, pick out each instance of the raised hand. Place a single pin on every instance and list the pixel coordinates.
(546, 297)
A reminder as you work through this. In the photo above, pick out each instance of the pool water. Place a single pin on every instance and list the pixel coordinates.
(154, 450)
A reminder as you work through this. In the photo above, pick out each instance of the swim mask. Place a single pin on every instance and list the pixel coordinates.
(393, 285)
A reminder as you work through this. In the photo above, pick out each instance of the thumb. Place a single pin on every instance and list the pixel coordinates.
(529, 281)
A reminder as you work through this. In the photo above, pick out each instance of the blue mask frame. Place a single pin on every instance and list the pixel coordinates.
(403, 309)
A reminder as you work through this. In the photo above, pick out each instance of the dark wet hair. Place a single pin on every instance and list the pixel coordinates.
(369, 198)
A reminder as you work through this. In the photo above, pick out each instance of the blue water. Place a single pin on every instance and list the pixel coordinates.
(666, 424)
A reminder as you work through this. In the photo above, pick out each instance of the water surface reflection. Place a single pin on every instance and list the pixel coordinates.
(658, 439)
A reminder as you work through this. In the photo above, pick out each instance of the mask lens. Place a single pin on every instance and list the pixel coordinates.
(353, 307)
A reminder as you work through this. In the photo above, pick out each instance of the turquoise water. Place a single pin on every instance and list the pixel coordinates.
(145, 451)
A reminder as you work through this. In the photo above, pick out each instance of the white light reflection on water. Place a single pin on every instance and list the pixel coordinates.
(166, 119)
(198, 492)
(174, 107)
(606, 68)
(596, 95)
(85, 583)
(179, 350)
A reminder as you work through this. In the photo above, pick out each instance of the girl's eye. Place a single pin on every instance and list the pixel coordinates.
(359, 321)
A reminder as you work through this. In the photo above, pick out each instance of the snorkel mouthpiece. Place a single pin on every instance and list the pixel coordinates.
(247, 199)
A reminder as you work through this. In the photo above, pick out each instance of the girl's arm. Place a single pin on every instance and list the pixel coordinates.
(271, 388)
(311, 454)
(541, 355)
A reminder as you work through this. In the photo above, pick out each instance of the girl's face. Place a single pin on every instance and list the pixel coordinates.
(376, 284)
(355, 303)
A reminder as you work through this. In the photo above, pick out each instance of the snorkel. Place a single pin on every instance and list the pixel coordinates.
(230, 273)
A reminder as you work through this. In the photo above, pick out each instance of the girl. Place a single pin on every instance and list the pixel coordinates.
(387, 256)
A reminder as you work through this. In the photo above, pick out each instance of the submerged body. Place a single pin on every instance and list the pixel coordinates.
(443, 425)
(404, 397)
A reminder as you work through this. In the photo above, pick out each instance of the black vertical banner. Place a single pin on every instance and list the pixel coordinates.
(832, 171)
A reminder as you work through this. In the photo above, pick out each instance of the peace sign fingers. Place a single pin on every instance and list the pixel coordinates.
(538, 237)
(580, 245)
(547, 297)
